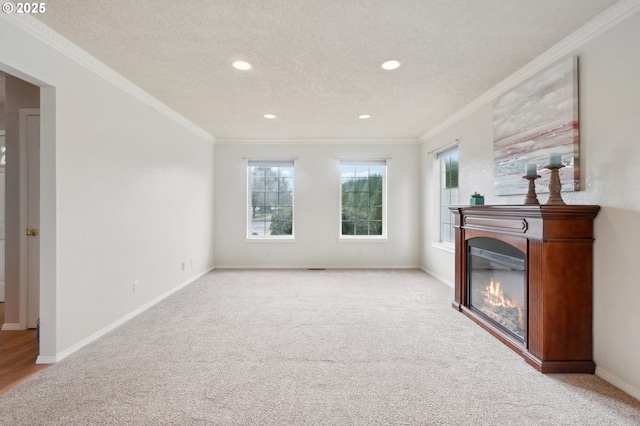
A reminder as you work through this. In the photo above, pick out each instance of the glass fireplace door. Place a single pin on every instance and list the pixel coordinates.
(496, 284)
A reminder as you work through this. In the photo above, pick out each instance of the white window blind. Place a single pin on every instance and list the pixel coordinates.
(270, 163)
(358, 162)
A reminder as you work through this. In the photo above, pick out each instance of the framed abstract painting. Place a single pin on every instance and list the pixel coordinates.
(533, 122)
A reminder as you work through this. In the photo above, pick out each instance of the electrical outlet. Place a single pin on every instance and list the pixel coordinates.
(184, 266)
(135, 287)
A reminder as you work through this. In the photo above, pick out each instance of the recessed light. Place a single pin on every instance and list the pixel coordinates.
(390, 65)
(269, 116)
(364, 116)
(241, 65)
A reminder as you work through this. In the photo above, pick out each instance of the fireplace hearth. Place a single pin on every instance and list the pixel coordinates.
(524, 273)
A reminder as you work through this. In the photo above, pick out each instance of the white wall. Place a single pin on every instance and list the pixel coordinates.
(609, 66)
(317, 211)
(127, 190)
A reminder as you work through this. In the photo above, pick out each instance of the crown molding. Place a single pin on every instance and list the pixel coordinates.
(317, 142)
(598, 25)
(56, 41)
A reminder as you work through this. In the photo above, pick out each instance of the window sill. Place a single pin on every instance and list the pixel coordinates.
(444, 246)
(381, 239)
(271, 240)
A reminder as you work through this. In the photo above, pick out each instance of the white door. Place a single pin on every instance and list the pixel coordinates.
(32, 127)
(30, 217)
(2, 212)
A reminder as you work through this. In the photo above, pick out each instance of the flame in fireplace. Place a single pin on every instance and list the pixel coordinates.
(494, 296)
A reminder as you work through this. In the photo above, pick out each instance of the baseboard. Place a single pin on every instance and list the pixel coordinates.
(43, 359)
(617, 382)
(334, 267)
(47, 359)
(438, 277)
(8, 326)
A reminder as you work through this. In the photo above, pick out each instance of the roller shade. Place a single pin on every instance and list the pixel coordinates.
(443, 152)
(345, 162)
(270, 163)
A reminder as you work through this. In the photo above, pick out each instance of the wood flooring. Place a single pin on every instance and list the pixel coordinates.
(18, 353)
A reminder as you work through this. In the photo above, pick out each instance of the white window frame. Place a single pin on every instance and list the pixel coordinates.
(364, 162)
(3, 149)
(269, 163)
(440, 155)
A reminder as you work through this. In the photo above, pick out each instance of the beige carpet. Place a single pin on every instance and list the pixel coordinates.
(308, 347)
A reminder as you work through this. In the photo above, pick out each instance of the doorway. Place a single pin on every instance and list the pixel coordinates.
(23, 92)
(3, 162)
(21, 122)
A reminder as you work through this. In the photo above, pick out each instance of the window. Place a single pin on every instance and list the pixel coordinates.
(448, 160)
(363, 193)
(3, 150)
(270, 201)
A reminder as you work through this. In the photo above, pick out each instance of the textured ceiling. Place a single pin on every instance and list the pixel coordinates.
(316, 63)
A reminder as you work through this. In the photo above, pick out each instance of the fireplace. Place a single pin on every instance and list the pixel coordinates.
(524, 274)
(496, 282)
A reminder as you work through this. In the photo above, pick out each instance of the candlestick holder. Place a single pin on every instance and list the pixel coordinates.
(531, 197)
(555, 186)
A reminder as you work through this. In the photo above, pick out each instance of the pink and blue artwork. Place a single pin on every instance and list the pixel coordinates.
(534, 122)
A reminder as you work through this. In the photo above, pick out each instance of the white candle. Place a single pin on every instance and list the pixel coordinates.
(555, 159)
(530, 170)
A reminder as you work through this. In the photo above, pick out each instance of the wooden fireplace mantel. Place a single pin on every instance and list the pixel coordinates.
(557, 241)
